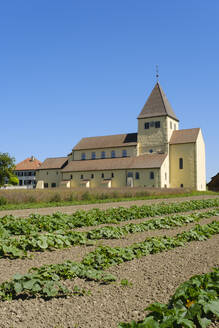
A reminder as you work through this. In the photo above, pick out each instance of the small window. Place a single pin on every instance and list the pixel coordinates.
(93, 155)
(53, 184)
(112, 175)
(157, 124)
(102, 175)
(137, 176)
(181, 186)
(152, 175)
(103, 154)
(82, 177)
(83, 156)
(146, 125)
(152, 124)
(113, 154)
(130, 174)
(151, 151)
(181, 163)
(124, 153)
(171, 125)
(71, 176)
(45, 185)
(92, 176)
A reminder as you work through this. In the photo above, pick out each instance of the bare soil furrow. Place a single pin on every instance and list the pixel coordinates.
(76, 253)
(154, 278)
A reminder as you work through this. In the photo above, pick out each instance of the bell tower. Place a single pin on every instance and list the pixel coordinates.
(156, 122)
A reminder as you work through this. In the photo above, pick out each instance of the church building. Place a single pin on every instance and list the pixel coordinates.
(159, 155)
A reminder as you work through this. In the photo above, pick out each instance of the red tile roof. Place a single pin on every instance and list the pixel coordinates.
(138, 162)
(31, 163)
(54, 163)
(111, 141)
(184, 136)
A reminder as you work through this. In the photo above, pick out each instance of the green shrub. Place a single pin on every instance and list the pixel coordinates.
(3, 201)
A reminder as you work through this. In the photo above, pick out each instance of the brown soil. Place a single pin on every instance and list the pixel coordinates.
(152, 278)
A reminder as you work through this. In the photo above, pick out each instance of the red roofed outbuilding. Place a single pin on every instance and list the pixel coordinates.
(26, 171)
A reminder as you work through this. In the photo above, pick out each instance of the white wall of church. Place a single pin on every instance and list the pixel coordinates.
(200, 163)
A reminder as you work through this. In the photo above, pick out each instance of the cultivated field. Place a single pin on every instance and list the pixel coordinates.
(100, 267)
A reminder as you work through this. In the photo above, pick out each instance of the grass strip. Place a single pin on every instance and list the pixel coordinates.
(18, 247)
(194, 304)
(81, 218)
(90, 199)
(45, 281)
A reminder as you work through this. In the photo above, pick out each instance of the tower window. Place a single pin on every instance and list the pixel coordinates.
(181, 163)
(124, 153)
(151, 175)
(157, 124)
(103, 154)
(83, 156)
(146, 125)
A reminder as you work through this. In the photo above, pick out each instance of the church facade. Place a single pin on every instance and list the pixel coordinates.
(159, 155)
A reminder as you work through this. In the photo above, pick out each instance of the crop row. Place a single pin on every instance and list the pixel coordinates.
(81, 218)
(194, 304)
(18, 247)
(45, 281)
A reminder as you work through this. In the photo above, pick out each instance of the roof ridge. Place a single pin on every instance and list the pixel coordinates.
(159, 88)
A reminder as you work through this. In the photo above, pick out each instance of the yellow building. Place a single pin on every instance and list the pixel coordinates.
(158, 155)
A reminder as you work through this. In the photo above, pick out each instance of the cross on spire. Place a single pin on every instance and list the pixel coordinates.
(157, 73)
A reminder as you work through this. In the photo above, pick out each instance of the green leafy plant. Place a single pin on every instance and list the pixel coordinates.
(93, 264)
(194, 304)
(125, 283)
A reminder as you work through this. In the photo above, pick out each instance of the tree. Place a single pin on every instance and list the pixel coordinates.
(7, 166)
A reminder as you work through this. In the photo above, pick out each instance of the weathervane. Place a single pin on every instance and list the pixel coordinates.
(157, 73)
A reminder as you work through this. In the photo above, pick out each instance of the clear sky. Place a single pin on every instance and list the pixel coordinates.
(71, 69)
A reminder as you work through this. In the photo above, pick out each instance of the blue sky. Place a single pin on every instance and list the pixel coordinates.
(71, 69)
